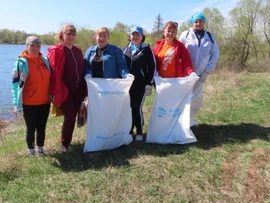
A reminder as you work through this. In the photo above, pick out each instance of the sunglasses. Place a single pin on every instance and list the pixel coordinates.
(35, 45)
(70, 33)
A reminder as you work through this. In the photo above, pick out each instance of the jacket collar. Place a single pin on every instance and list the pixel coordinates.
(107, 48)
(160, 43)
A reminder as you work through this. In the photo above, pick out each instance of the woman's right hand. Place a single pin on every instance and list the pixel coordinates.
(51, 98)
(148, 90)
(87, 76)
(129, 76)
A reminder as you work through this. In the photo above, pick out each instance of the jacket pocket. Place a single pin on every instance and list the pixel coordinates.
(31, 93)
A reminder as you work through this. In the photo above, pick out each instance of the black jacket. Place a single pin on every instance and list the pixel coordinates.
(142, 64)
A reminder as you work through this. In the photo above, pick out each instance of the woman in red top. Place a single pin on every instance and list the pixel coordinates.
(68, 87)
(172, 57)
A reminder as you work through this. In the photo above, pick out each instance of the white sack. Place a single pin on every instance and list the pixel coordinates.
(109, 117)
(170, 116)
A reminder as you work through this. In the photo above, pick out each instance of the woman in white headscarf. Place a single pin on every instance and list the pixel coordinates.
(204, 53)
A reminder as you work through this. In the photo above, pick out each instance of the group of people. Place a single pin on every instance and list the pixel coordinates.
(60, 78)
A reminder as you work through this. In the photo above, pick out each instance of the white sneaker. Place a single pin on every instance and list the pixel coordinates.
(64, 149)
(31, 152)
(139, 137)
(40, 151)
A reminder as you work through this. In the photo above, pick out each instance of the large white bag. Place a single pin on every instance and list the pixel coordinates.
(109, 117)
(170, 116)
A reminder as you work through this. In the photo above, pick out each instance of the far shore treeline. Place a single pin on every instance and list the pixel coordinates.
(243, 37)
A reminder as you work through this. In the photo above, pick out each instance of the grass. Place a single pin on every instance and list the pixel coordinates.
(229, 163)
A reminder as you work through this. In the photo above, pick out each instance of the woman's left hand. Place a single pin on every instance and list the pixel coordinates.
(148, 90)
(203, 77)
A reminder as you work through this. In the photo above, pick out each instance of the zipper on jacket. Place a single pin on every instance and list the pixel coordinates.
(41, 67)
(135, 54)
(142, 73)
(199, 42)
(102, 63)
(78, 78)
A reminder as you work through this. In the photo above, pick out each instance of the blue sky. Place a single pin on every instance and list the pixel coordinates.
(43, 16)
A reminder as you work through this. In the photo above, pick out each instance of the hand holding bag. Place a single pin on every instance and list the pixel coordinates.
(82, 114)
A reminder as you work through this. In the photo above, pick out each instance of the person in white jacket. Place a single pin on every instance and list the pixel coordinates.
(204, 53)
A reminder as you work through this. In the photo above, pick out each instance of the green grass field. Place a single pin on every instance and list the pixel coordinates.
(229, 163)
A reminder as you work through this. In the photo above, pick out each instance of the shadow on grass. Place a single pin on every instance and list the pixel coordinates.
(208, 136)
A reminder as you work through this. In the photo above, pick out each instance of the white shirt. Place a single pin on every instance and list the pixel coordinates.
(205, 56)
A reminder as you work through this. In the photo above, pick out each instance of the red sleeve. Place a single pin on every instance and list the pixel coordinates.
(155, 51)
(186, 60)
(54, 61)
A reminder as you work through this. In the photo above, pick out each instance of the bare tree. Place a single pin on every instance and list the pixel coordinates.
(158, 25)
(265, 23)
(244, 18)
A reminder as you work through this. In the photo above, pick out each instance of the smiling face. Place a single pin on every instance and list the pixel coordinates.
(102, 39)
(198, 24)
(33, 49)
(69, 37)
(170, 33)
(136, 38)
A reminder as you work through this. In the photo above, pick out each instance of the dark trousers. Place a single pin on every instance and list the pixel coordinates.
(70, 109)
(35, 117)
(136, 100)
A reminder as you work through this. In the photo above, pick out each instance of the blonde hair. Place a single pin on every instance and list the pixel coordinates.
(103, 30)
(64, 29)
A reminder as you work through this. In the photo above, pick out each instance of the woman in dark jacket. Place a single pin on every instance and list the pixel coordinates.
(141, 63)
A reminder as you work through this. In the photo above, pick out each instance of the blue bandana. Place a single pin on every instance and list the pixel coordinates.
(133, 48)
(197, 16)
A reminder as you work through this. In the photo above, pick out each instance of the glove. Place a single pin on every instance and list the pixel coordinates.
(16, 110)
(87, 76)
(86, 102)
(203, 77)
(129, 76)
(193, 74)
(148, 90)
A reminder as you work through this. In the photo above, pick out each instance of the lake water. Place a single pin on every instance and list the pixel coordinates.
(8, 56)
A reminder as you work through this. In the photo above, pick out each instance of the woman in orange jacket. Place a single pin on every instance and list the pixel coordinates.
(172, 57)
(30, 91)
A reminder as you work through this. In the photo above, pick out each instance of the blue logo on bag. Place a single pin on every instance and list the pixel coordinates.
(161, 112)
(116, 92)
(175, 112)
(172, 112)
(106, 137)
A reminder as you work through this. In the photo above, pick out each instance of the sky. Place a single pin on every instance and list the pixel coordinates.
(44, 16)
